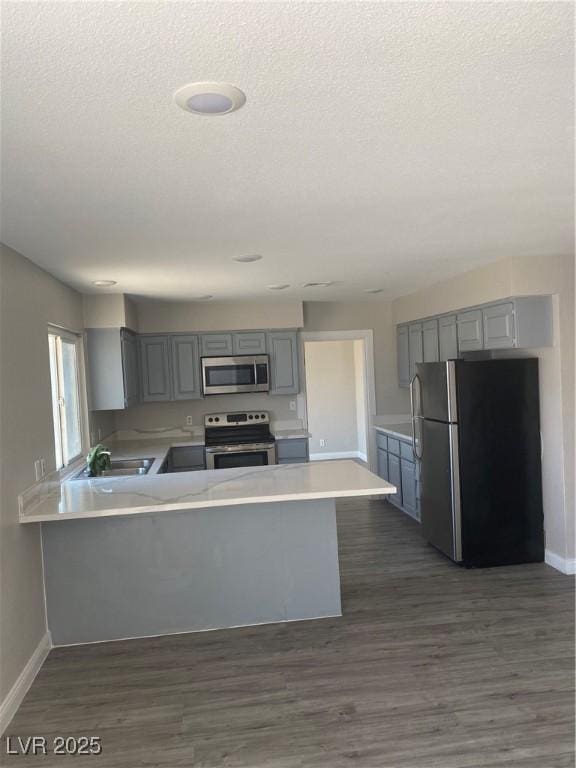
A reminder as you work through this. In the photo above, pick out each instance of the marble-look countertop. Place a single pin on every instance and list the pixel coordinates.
(290, 434)
(119, 496)
(401, 431)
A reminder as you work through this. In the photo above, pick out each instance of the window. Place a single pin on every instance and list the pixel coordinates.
(65, 379)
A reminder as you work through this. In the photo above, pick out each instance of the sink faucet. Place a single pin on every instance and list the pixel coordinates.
(98, 460)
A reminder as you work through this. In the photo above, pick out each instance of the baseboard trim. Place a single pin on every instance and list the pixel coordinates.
(9, 706)
(337, 455)
(562, 564)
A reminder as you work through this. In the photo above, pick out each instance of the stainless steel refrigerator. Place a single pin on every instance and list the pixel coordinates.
(476, 431)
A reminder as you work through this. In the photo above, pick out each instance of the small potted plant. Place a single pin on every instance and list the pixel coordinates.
(98, 460)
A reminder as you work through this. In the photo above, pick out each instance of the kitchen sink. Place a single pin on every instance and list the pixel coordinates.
(120, 468)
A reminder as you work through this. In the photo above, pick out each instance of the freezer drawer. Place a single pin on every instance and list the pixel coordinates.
(440, 488)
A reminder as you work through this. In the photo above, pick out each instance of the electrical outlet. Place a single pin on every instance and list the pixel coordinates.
(322, 443)
(37, 469)
(189, 421)
(292, 405)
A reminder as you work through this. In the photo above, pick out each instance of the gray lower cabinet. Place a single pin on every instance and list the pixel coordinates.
(216, 344)
(470, 336)
(185, 459)
(112, 368)
(408, 481)
(383, 464)
(292, 450)
(403, 356)
(395, 478)
(155, 373)
(249, 343)
(447, 338)
(284, 374)
(430, 352)
(415, 349)
(185, 367)
(397, 466)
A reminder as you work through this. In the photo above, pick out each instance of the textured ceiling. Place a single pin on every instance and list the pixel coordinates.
(381, 145)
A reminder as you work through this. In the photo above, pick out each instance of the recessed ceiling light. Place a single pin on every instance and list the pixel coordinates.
(103, 283)
(248, 259)
(203, 297)
(210, 98)
(318, 285)
(278, 286)
(373, 290)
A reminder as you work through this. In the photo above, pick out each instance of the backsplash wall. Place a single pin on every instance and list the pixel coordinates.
(173, 414)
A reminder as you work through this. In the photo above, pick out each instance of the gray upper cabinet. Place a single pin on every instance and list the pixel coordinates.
(216, 344)
(249, 343)
(416, 350)
(283, 350)
(430, 341)
(499, 326)
(185, 367)
(470, 335)
(112, 368)
(155, 374)
(131, 372)
(522, 322)
(403, 357)
(447, 338)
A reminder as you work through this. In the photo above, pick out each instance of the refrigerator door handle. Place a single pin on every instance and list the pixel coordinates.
(414, 416)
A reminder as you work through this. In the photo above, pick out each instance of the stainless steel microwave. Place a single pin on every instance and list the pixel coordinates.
(229, 375)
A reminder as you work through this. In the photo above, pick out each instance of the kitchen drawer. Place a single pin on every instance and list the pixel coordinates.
(187, 457)
(302, 460)
(381, 441)
(394, 446)
(406, 451)
(297, 449)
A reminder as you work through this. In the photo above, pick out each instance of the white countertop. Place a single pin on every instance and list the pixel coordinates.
(401, 431)
(107, 497)
(291, 434)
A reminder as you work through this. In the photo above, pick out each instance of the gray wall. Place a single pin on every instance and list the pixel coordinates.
(30, 299)
(375, 314)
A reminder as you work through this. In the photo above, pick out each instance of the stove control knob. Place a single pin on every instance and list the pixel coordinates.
(210, 419)
(263, 416)
(257, 416)
(217, 418)
(250, 417)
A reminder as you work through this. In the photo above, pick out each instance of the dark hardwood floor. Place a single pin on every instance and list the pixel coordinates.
(431, 666)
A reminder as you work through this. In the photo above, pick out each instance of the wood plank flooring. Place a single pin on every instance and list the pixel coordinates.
(431, 666)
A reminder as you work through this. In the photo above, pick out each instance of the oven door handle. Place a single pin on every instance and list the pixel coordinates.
(244, 447)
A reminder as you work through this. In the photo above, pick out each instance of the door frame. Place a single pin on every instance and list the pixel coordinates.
(367, 336)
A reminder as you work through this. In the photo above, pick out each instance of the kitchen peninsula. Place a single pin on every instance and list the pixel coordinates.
(167, 553)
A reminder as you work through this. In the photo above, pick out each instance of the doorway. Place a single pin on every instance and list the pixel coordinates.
(339, 394)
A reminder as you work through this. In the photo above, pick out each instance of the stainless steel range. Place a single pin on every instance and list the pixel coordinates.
(239, 440)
